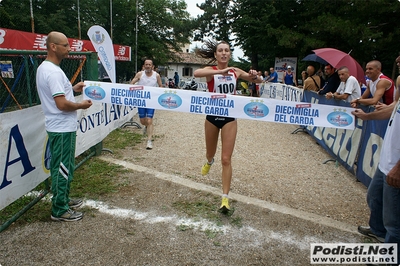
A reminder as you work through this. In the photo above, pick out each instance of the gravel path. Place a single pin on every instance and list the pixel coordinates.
(142, 226)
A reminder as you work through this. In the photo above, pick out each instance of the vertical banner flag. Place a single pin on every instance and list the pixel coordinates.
(104, 47)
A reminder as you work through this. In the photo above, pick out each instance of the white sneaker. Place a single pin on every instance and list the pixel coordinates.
(149, 145)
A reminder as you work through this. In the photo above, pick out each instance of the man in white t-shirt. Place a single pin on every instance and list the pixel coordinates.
(56, 94)
(349, 88)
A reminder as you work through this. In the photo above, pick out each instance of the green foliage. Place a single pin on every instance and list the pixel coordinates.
(263, 29)
(215, 22)
(163, 25)
(269, 29)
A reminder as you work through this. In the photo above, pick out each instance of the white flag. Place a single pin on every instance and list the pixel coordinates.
(104, 48)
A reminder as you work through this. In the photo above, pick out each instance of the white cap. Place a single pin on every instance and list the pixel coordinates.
(289, 67)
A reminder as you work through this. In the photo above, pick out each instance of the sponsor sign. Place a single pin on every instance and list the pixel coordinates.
(269, 110)
(21, 40)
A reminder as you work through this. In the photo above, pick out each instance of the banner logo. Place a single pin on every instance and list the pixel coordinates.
(95, 92)
(98, 37)
(170, 100)
(339, 118)
(256, 110)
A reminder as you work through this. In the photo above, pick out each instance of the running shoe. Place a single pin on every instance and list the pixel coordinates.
(366, 230)
(75, 203)
(68, 216)
(149, 145)
(224, 206)
(206, 167)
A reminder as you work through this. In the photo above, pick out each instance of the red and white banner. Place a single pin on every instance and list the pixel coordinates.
(21, 40)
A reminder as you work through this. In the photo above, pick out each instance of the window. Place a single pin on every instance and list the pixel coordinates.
(187, 72)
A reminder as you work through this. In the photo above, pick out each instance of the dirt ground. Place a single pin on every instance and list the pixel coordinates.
(159, 217)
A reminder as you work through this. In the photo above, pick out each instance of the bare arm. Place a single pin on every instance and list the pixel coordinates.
(159, 81)
(339, 96)
(209, 72)
(393, 177)
(380, 90)
(136, 78)
(383, 113)
(250, 76)
(64, 105)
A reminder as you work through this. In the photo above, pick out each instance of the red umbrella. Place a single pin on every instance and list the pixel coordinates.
(337, 59)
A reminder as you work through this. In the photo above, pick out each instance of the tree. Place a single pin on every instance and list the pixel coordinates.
(164, 25)
(269, 29)
(215, 22)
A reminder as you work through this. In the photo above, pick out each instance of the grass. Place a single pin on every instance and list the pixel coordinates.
(93, 179)
(96, 179)
(206, 207)
(121, 139)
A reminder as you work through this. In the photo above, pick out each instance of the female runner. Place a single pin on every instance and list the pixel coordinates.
(221, 79)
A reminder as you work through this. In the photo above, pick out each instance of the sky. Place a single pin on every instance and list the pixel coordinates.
(194, 11)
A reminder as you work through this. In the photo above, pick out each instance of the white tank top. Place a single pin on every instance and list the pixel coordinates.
(148, 81)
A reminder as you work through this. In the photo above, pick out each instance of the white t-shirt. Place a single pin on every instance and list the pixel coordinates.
(390, 152)
(51, 82)
(351, 87)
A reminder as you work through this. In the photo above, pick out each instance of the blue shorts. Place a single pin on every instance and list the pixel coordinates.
(145, 112)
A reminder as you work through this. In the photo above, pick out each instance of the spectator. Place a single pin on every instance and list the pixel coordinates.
(257, 94)
(171, 83)
(176, 80)
(147, 77)
(266, 75)
(313, 82)
(349, 88)
(163, 80)
(273, 76)
(380, 88)
(332, 80)
(289, 77)
(383, 195)
(59, 108)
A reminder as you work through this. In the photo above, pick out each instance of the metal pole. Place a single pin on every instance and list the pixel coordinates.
(136, 33)
(111, 22)
(32, 20)
(79, 23)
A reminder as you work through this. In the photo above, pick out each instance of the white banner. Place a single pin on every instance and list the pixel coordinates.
(205, 103)
(281, 91)
(24, 150)
(103, 44)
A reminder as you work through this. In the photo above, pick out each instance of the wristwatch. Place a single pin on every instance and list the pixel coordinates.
(358, 99)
